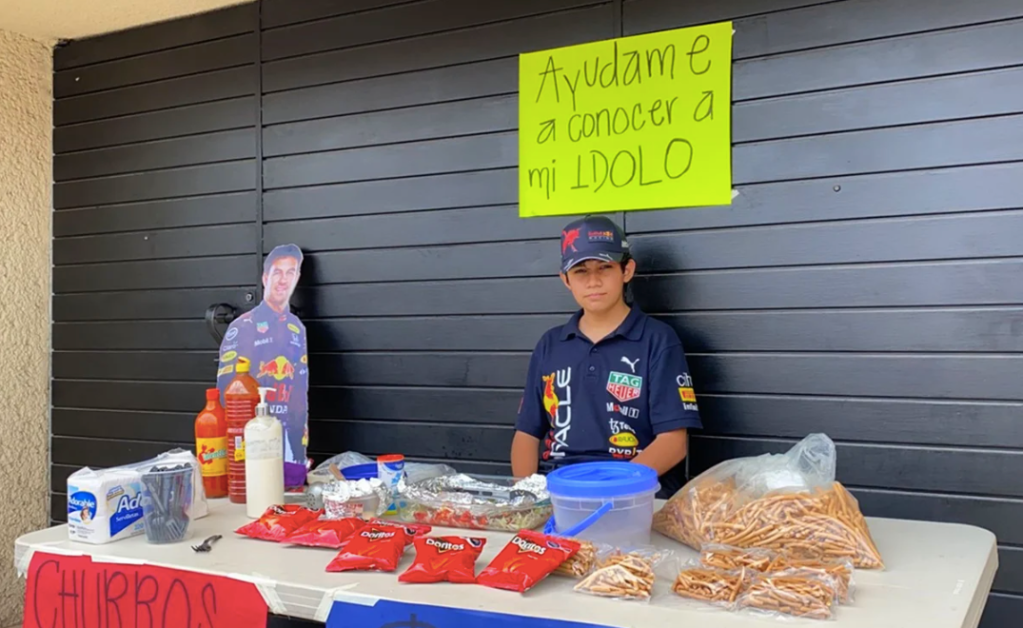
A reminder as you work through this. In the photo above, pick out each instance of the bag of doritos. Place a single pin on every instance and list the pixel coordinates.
(278, 522)
(325, 532)
(373, 548)
(526, 560)
(412, 530)
(444, 559)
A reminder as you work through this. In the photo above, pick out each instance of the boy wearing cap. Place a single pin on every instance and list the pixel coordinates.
(611, 383)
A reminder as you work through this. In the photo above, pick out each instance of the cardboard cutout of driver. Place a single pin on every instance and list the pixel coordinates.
(274, 340)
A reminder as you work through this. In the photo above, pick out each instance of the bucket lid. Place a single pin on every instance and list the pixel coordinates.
(601, 479)
(360, 471)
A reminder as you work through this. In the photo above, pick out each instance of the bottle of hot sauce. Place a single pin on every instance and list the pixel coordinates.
(240, 399)
(211, 445)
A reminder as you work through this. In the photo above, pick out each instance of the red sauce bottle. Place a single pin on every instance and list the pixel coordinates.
(240, 399)
(211, 445)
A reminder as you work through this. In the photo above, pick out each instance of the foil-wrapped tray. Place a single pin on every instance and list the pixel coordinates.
(479, 502)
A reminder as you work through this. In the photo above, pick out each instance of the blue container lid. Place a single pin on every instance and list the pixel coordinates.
(601, 479)
(360, 471)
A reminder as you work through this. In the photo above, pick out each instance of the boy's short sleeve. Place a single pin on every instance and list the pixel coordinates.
(531, 418)
(672, 399)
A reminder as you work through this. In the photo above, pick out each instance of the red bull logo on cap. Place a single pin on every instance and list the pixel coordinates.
(279, 368)
(568, 239)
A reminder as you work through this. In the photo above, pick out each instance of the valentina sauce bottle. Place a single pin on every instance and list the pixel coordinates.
(240, 399)
(211, 445)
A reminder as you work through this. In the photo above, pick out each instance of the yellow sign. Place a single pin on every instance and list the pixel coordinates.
(639, 122)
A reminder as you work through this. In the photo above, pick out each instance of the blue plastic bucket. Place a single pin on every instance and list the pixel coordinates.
(604, 502)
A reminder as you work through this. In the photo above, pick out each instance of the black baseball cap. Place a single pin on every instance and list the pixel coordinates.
(593, 237)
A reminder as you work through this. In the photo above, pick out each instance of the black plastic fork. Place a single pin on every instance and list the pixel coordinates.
(206, 545)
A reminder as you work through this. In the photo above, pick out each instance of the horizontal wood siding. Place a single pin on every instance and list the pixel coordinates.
(155, 218)
(865, 282)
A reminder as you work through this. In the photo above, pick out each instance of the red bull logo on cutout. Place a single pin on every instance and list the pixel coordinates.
(278, 368)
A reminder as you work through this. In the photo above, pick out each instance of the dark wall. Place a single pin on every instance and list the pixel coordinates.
(866, 282)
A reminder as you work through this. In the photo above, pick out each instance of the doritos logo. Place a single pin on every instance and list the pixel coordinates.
(528, 546)
(568, 239)
(444, 546)
(279, 368)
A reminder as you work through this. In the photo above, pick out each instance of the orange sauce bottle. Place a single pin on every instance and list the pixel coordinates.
(211, 445)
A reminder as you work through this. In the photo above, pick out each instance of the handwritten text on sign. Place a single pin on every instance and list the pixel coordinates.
(74, 592)
(640, 122)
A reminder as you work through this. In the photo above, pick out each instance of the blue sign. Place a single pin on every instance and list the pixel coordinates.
(391, 614)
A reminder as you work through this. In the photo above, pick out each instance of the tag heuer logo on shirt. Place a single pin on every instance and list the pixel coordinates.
(624, 387)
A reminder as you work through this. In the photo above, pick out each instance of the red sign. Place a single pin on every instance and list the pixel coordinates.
(75, 592)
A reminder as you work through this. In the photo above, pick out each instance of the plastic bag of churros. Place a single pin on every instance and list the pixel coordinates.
(718, 587)
(788, 503)
(794, 592)
(765, 561)
(580, 564)
(623, 575)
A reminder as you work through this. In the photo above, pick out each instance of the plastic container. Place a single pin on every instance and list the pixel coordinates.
(166, 502)
(240, 399)
(365, 507)
(390, 470)
(211, 445)
(604, 502)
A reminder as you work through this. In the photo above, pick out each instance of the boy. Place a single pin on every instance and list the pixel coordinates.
(612, 383)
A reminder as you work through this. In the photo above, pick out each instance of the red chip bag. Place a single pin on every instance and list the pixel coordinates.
(325, 532)
(412, 530)
(444, 559)
(278, 522)
(373, 548)
(526, 560)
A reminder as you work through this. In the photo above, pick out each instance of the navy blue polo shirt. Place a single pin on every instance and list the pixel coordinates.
(607, 400)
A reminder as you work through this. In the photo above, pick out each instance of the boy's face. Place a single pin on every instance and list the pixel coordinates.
(598, 286)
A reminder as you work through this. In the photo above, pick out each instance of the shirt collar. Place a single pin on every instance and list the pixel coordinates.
(630, 329)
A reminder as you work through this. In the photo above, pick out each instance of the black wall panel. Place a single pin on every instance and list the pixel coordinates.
(865, 282)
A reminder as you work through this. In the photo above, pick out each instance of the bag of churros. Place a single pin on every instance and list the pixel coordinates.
(788, 503)
(710, 585)
(623, 575)
(794, 592)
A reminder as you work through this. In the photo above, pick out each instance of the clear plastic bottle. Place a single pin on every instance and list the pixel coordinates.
(264, 460)
(240, 399)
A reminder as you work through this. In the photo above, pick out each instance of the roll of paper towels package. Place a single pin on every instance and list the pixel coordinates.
(104, 506)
